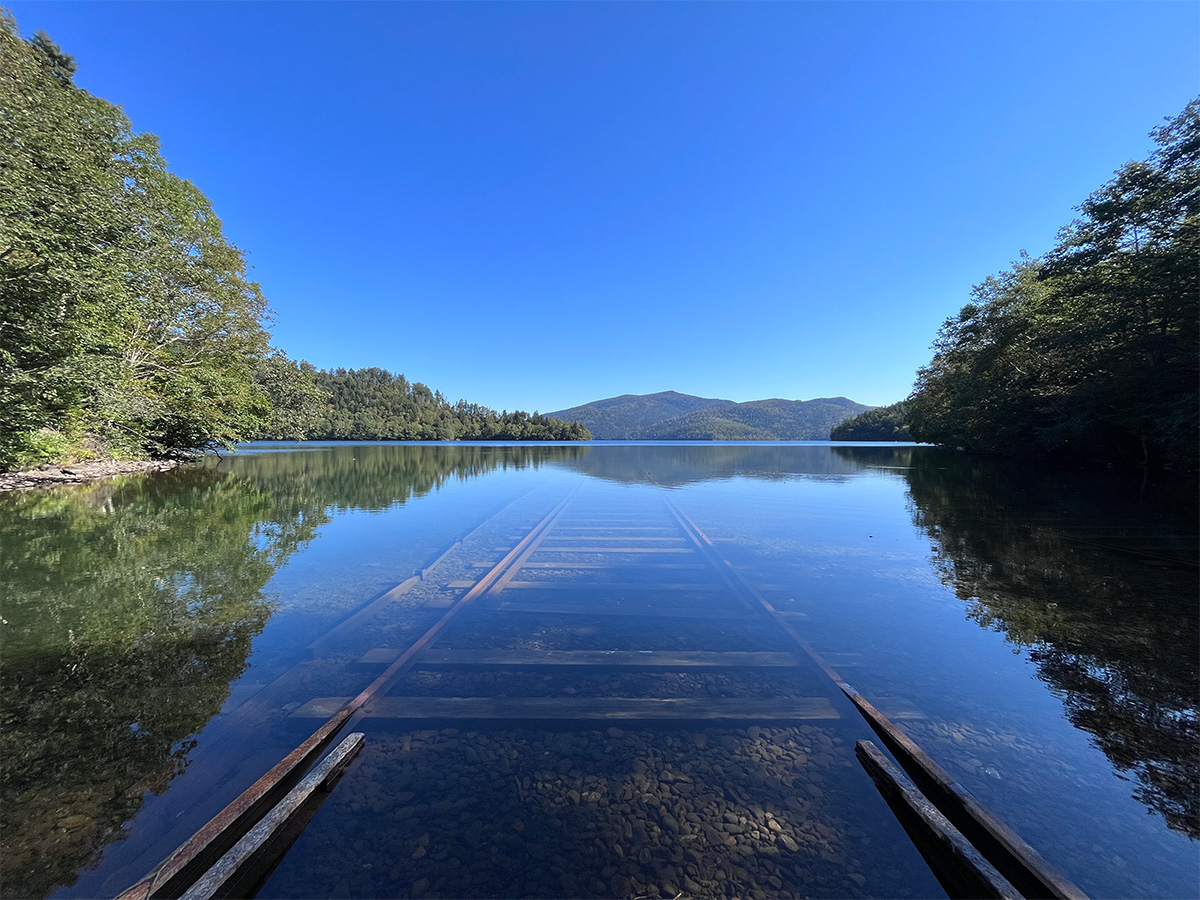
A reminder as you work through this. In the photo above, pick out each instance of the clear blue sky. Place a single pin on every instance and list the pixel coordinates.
(536, 205)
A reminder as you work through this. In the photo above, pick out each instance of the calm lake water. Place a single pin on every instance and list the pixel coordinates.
(1036, 632)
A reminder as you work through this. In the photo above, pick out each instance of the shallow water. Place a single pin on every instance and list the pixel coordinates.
(1035, 632)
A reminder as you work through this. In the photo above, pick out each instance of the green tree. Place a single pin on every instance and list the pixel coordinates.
(297, 401)
(58, 178)
(1094, 350)
(1126, 279)
(126, 317)
(884, 423)
(981, 388)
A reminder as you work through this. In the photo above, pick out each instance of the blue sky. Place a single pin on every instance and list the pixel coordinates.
(536, 205)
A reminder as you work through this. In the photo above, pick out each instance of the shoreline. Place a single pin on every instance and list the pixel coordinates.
(49, 476)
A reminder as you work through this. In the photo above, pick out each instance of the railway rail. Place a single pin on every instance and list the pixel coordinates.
(660, 607)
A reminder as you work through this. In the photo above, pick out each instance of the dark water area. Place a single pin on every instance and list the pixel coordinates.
(163, 638)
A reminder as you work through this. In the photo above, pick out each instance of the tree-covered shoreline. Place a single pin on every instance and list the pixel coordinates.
(1093, 351)
(883, 423)
(129, 327)
(375, 405)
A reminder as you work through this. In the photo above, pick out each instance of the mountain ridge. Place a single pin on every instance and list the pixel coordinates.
(671, 415)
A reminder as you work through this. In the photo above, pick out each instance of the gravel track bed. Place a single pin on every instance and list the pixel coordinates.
(756, 812)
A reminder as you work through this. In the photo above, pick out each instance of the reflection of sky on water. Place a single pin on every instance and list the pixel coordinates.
(887, 550)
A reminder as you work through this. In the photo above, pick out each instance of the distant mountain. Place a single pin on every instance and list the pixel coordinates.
(670, 416)
(620, 418)
(758, 420)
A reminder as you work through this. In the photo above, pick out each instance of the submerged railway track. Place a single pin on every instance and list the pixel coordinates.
(627, 627)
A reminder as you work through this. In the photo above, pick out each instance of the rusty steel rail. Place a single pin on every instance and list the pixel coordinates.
(188, 863)
(969, 849)
(1020, 866)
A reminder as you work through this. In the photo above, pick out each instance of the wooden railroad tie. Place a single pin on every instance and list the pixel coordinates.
(670, 659)
(645, 709)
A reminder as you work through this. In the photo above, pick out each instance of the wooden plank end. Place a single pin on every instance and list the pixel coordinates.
(958, 865)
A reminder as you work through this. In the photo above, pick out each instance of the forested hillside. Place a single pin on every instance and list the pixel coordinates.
(883, 423)
(1093, 350)
(781, 420)
(621, 418)
(375, 405)
(128, 324)
(671, 416)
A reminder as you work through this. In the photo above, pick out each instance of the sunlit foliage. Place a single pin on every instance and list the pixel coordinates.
(375, 405)
(128, 325)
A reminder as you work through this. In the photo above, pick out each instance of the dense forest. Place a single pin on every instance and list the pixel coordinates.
(375, 405)
(883, 423)
(128, 324)
(1094, 349)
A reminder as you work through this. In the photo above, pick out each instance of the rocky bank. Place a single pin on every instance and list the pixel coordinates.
(81, 472)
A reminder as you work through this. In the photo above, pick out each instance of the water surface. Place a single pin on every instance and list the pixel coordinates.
(1035, 631)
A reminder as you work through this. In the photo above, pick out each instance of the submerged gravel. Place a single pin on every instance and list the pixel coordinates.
(753, 812)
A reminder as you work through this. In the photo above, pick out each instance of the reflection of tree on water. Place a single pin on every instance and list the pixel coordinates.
(128, 608)
(1106, 611)
(675, 464)
(377, 476)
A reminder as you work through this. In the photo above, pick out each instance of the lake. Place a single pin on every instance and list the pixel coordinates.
(167, 638)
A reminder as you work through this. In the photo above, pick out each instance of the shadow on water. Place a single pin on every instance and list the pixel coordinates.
(1095, 578)
(128, 608)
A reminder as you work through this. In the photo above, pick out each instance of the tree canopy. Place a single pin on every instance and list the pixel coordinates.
(128, 324)
(127, 319)
(1095, 349)
(375, 405)
(883, 423)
